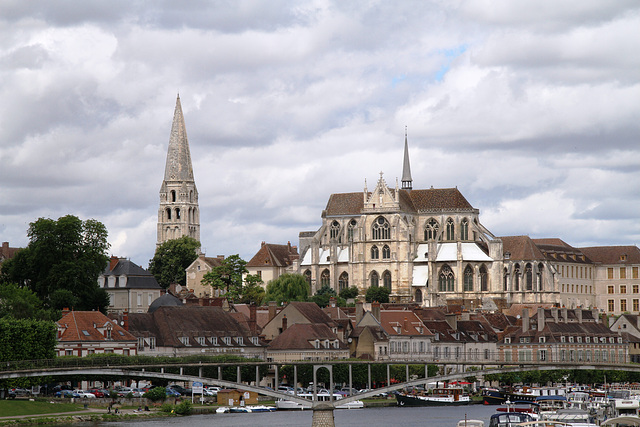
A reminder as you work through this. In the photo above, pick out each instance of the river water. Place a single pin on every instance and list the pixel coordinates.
(388, 416)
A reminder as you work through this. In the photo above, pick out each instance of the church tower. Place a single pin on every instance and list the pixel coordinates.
(178, 214)
(407, 182)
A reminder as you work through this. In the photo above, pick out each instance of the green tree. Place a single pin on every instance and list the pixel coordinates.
(377, 293)
(22, 303)
(286, 288)
(156, 394)
(227, 276)
(324, 295)
(350, 292)
(253, 292)
(65, 254)
(171, 259)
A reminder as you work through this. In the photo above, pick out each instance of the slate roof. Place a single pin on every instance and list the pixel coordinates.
(376, 331)
(166, 300)
(301, 335)
(137, 277)
(612, 254)
(410, 201)
(272, 255)
(83, 326)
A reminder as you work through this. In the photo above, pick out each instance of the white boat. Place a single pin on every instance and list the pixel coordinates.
(222, 410)
(628, 420)
(470, 423)
(284, 404)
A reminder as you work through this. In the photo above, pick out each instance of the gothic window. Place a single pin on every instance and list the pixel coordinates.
(386, 252)
(375, 252)
(418, 297)
(351, 229)
(445, 280)
(451, 230)
(177, 213)
(169, 213)
(528, 272)
(381, 229)
(374, 279)
(539, 277)
(464, 229)
(505, 280)
(431, 229)
(173, 195)
(386, 280)
(516, 278)
(484, 279)
(324, 278)
(335, 230)
(343, 281)
(468, 279)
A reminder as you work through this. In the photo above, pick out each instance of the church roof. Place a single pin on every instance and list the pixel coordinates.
(178, 166)
(433, 199)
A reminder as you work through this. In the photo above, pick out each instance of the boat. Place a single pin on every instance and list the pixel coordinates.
(509, 419)
(239, 410)
(572, 416)
(531, 408)
(222, 410)
(261, 408)
(470, 423)
(627, 420)
(284, 404)
(492, 396)
(447, 396)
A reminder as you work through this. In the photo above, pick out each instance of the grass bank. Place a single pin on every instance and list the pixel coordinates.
(21, 407)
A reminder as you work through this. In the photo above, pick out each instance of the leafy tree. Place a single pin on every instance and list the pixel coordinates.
(253, 292)
(156, 394)
(324, 295)
(27, 339)
(286, 288)
(227, 276)
(377, 293)
(22, 303)
(65, 254)
(171, 260)
(350, 292)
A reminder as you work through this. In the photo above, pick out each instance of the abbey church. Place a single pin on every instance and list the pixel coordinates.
(424, 245)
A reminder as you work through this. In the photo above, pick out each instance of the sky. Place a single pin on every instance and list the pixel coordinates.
(530, 108)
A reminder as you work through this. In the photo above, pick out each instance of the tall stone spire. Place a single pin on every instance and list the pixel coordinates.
(407, 182)
(178, 214)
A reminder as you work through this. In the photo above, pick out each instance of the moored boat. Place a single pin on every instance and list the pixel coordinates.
(447, 396)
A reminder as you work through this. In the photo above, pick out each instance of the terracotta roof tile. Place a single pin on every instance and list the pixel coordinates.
(85, 325)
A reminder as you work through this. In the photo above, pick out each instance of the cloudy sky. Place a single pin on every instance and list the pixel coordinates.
(530, 108)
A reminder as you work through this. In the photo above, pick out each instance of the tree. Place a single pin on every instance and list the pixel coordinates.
(286, 288)
(171, 260)
(350, 292)
(323, 297)
(377, 293)
(253, 292)
(227, 276)
(22, 303)
(65, 254)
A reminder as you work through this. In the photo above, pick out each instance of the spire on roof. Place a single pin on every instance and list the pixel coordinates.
(407, 182)
(178, 167)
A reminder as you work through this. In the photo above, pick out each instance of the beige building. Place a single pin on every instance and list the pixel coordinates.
(271, 261)
(196, 271)
(131, 288)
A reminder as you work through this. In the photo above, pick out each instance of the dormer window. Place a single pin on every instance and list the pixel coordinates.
(240, 340)
(587, 339)
(213, 340)
(326, 343)
(563, 339)
(336, 344)
(570, 339)
(579, 339)
(226, 340)
(317, 344)
(507, 340)
(184, 341)
(541, 339)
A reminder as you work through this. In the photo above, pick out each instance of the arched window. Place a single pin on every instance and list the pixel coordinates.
(351, 229)
(343, 281)
(464, 229)
(418, 297)
(516, 277)
(539, 277)
(381, 229)
(386, 280)
(468, 279)
(505, 280)
(335, 230)
(451, 230)
(325, 278)
(169, 213)
(445, 280)
(484, 279)
(528, 274)
(177, 213)
(386, 252)
(375, 253)
(374, 279)
(431, 229)
(191, 196)
(173, 195)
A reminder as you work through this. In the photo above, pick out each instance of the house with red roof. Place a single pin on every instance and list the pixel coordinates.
(82, 333)
(272, 260)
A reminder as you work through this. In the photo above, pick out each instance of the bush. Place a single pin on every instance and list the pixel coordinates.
(377, 293)
(166, 407)
(183, 408)
(156, 394)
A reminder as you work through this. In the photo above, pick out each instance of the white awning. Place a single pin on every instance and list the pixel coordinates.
(420, 275)
(306, 260)
(448, 252)
(422, 253)
(343, 255)
(323, 258)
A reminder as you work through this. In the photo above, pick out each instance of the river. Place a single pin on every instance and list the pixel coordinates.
(388, 416)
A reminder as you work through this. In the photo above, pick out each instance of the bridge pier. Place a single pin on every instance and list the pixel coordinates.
(322, 415)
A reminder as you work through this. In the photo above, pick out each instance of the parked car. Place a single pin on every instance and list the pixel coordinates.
(183, 391)
(84, 394)
(137, 392)
(66, 393)
(98, 392)
(171, 392)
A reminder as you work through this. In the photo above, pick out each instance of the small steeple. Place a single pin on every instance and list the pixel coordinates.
(178, 166)
(407, 182)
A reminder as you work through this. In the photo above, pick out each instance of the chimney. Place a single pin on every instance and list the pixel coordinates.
(565, 315)
(452, 320)
(125, 320)
(263, 243)
(525, 319)
(541, 318)
(65, 311)
(332, 302)
(113, 262)
(272, 310)
(359, 311)
(253, 318)
(375, 310)
(578, 312)
(405, 324)
(596, 316)
(284, 323)
(554, 313)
